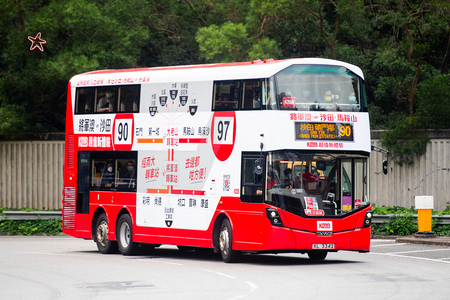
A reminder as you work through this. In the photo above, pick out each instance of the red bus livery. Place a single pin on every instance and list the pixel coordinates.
(261, 157)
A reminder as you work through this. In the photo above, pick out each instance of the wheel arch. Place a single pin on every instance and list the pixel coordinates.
(216, 229)
(123, 211)
(99, 211)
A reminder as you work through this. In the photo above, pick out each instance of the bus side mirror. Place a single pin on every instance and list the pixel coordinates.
(258, 167)
(385, 167)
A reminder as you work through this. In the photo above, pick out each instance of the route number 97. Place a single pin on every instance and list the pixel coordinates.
(223, 130)
(123, 131)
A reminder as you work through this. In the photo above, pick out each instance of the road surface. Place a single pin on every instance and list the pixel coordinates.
(67, 268)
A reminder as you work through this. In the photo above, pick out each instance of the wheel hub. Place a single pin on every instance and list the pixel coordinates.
(125, 234)
(224, 240)
(102, 233)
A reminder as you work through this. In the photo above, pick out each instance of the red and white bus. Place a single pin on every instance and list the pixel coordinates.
(261, 157)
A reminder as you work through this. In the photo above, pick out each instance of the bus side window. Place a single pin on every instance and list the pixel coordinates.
(84, 101)
(129, 98)
(252, 182)
(226, 95)
(106, 100)
(127, 175)
(113, 171)
(251, 93)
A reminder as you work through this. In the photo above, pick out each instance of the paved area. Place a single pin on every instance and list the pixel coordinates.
(438, 240)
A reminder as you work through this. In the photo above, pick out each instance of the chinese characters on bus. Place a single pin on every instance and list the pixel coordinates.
(195, 173)
(151, 170)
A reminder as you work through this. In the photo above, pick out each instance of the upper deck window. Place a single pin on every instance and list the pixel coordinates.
(319, 87)
(237, 95)
(107, 99)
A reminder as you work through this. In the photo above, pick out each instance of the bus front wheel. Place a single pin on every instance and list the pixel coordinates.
(104, 245)
(125, 236)
(225, 243)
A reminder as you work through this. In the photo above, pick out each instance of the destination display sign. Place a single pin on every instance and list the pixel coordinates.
(324, 131)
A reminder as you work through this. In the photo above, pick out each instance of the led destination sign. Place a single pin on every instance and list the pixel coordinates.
(324, 131)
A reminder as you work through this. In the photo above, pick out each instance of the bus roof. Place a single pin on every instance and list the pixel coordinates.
(222, 71)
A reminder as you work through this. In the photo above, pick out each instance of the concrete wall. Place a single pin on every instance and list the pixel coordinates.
(428, 176)
(31, 174)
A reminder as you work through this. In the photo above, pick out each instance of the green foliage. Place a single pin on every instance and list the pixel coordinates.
(397, 225)
(32, 227)
(401, 45)
(441, 230)
(446, 211)
(11, 120)
(386, 210)
(225, 43)
(405, 140)
(231, 42)
(433, 101)
(404, 223)
(80, 36)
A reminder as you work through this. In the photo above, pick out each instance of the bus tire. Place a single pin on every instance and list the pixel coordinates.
(125, 236)
(225, 243)
(317, 254)
(104, 245)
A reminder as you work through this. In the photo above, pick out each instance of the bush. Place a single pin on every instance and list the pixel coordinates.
(32, 227)
(397, 225)
(385, 210)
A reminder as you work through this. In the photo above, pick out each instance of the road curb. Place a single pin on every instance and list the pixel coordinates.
(437, 241)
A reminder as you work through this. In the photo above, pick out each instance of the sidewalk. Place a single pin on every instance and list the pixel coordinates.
(437, 241)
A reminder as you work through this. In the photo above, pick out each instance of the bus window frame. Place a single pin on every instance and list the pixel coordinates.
(257, 90)
(117, 91)
(217, 95)
(314, 105)
(116, 157)
(241, 98)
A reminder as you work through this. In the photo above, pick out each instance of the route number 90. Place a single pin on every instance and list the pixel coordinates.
(123, 131)
(345, 131)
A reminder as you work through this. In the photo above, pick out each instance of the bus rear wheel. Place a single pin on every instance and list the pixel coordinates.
(225, 243)
(125, 236)
(317, 254)
(104, 245)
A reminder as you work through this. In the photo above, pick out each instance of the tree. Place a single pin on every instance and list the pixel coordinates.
(409, 30)
(230, 42)
(246, 40)
(80, 36)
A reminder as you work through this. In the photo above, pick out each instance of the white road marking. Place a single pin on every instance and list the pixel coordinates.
(167, 262)
(218, 273)
(426, 250)
(387, 245)
(253, 286)
(411, 257)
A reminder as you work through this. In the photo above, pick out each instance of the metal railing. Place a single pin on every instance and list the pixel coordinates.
(30, 215)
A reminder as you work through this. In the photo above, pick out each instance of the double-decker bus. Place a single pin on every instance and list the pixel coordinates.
(259, 157)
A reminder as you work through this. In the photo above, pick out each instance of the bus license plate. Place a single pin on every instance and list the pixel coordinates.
(323, 246)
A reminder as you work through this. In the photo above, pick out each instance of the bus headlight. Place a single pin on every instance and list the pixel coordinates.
(274, 217)
(368, 219)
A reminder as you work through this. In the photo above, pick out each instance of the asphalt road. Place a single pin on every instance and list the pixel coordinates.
(68, 268)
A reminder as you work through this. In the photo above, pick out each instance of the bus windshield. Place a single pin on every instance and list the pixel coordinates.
(316, 184)
(318, 88)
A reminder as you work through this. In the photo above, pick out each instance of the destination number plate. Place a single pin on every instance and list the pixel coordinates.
(323, 246)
